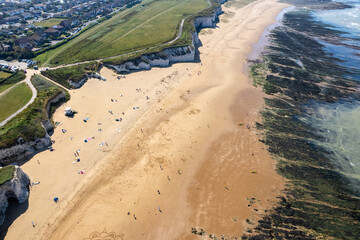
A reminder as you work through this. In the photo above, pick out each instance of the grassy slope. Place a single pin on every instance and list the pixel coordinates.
(74, 73)
(28, 123)
(148, 24)
(6, 173)
(4, 75)
(49, 22)
(14, 100)
(11, 80)
(4, 87)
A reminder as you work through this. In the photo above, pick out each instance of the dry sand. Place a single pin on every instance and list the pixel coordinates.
(184, 142)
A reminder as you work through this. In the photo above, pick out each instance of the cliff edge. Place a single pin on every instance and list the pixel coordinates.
(14, 183)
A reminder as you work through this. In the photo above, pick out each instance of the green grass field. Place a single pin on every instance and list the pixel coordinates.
(3, 87)
(14, 100)
(144, 25)
(28, 123)
(4, 75)
(6, 173)
(10, 80)
(49, 22)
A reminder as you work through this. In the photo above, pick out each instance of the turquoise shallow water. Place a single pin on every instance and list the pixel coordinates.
(339, 123)
(339, 126)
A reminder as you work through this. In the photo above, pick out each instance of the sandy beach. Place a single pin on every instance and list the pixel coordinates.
(183, 154)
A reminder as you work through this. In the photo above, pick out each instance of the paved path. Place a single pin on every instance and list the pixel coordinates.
(7, 90)
(124, 54)
(52, 81)
(34, 94)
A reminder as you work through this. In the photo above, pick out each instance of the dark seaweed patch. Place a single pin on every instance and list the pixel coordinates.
(319, 201)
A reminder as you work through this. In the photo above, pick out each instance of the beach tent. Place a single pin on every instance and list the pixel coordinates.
(56, 199)
(68, 111)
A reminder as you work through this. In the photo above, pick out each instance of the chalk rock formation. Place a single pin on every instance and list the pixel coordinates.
(78, 84)
(17, 187)
(23, 150)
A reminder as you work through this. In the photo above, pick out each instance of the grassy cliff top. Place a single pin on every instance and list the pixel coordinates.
(6, 173)
(145, 25)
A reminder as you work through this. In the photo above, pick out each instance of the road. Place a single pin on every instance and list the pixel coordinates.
(27, 80)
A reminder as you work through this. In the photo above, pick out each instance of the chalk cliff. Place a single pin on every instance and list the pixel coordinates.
(172, 55)
(78, 84)
(17, 187)
(23, 150)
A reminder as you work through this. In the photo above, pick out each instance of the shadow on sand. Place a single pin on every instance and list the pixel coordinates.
(13, 211)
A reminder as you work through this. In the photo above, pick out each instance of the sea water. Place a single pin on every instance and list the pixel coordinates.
(338, 124)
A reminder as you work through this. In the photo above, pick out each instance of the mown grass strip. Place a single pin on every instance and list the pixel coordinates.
(13, 100)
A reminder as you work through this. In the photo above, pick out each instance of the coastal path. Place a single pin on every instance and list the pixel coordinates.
(27, 80)
(137, 51)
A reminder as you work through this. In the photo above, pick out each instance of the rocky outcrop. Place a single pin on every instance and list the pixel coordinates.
(23, 150)
(162, 59)
(208, 21)
(173, 55)
(96, 75)
(82, 81)
(78, 84)
(56, 99)
(17, 187)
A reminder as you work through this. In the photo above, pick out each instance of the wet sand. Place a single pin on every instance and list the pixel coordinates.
(181, 160)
